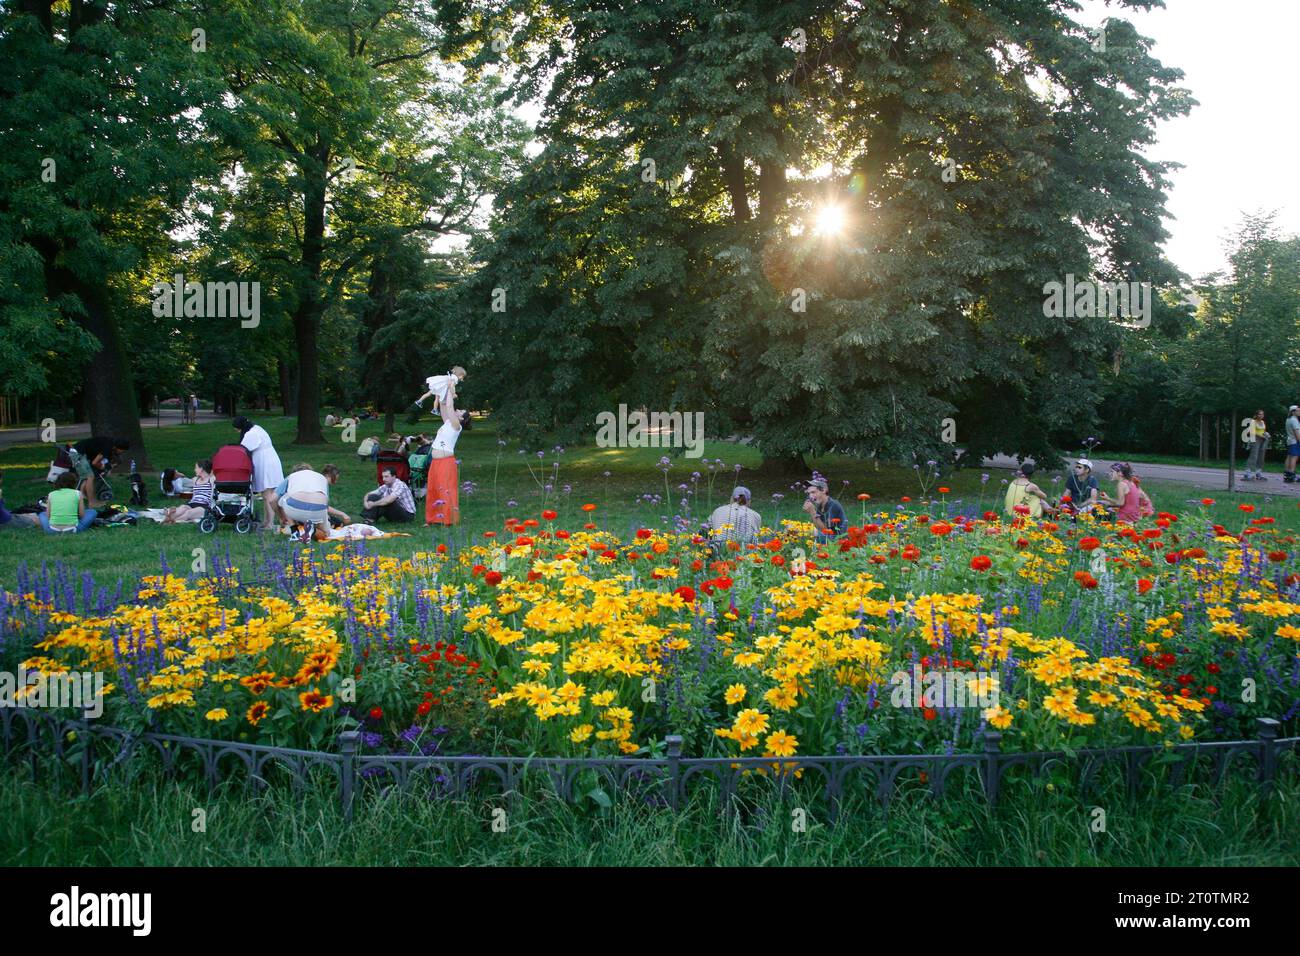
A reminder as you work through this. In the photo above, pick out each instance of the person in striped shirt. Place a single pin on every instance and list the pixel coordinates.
(392, 500)
(200, 496)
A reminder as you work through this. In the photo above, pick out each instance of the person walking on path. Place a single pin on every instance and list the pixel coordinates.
(1257, 437)
(1292, 443)
(267, 470)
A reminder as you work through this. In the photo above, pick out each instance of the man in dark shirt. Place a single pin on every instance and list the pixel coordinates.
(1082, 488)
(825, 512)
(99, 452)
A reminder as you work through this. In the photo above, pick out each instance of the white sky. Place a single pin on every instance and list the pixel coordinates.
(1238, 58)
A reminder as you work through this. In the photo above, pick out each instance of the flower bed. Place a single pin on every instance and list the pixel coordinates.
(574, 642)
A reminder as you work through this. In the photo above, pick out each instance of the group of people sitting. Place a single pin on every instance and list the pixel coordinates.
(302, 501)
(737, 521)
(1083, 494)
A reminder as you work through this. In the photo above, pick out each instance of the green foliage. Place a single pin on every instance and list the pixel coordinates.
(678, 291)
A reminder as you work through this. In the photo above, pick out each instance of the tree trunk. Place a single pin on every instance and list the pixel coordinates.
(286, 386)
(306, 317)
(109, 393)
(733, 174)
(784, 466)
(1232, 455)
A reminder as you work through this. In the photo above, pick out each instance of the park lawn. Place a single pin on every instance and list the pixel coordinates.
(619, 481)
(151, 822)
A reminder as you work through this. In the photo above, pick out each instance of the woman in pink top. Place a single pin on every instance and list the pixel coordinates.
(1128, 496)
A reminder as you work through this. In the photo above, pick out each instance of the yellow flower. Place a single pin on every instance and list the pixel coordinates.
(580, 733)
(750, 722)
(735, 693)
(217, 713)
(781, 744)
(604, 698)
(998, 717)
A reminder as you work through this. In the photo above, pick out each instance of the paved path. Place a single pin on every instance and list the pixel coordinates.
(26, 436)
(1212, 479)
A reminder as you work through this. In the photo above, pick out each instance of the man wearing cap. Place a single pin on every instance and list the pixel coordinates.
(826, 514)
(1082, 488)
(736, 521)
(1292, 443)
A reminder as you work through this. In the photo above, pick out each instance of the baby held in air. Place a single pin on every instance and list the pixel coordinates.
(442, 387)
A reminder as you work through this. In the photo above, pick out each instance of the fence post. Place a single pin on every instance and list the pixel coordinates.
(1266, 729)
(349, 741)
(674, 769)
(992, 749)
(83, 728)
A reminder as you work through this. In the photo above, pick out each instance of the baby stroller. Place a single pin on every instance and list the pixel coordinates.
(232, 470)
(396, 461)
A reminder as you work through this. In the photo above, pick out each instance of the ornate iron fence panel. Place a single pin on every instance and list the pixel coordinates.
(665, 781)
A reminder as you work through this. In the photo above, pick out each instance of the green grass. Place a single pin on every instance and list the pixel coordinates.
(501, 474)
(150, 822)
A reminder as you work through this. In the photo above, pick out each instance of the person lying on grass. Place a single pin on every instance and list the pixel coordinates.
(13, 520)
(201, 493)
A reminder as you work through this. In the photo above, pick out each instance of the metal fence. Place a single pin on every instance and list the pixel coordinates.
(662, 781)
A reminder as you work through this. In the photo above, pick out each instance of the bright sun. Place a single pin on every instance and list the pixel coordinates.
(829, 221)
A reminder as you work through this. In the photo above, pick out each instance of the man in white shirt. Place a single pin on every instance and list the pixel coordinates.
(736, 521)
(1292, 443)
(392, 500)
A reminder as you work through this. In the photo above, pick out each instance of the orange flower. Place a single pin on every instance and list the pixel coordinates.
(588, 507)
(257, 712)
(315, 701)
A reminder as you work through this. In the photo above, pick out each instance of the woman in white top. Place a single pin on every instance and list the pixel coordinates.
(442, 499)
(306, 501)
(267, 470)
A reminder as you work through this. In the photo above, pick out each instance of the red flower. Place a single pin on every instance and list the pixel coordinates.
(1085, 579)
(376, 713)
(477, 570)
(940, 528)
(643, 533)
(1144, 585)
(697, 565)
(686, 593)
(1277, 557)
(549, 515)
(906, 499)
(723, 584)
(1207, 501)
(943, 490)
(1246, 508)
(424, 708)
(981, 562)
(1089, 544)
(929, 713)
(493, 578)
(777, 560)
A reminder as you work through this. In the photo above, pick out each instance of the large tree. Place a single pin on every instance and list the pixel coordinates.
(99, 154)
(974, 150)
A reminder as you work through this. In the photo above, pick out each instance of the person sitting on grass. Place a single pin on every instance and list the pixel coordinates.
(736, 520)
(65, 508)
(201, 493)
(305, 502)
(1024, 494)
(826, 514)
(392, 500)
(10, 519)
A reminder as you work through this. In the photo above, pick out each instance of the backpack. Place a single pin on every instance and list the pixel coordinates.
(139, 495)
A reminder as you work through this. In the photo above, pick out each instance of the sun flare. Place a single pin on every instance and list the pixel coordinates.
(829, 220)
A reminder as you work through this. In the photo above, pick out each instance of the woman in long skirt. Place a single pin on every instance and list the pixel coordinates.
(442, 497)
